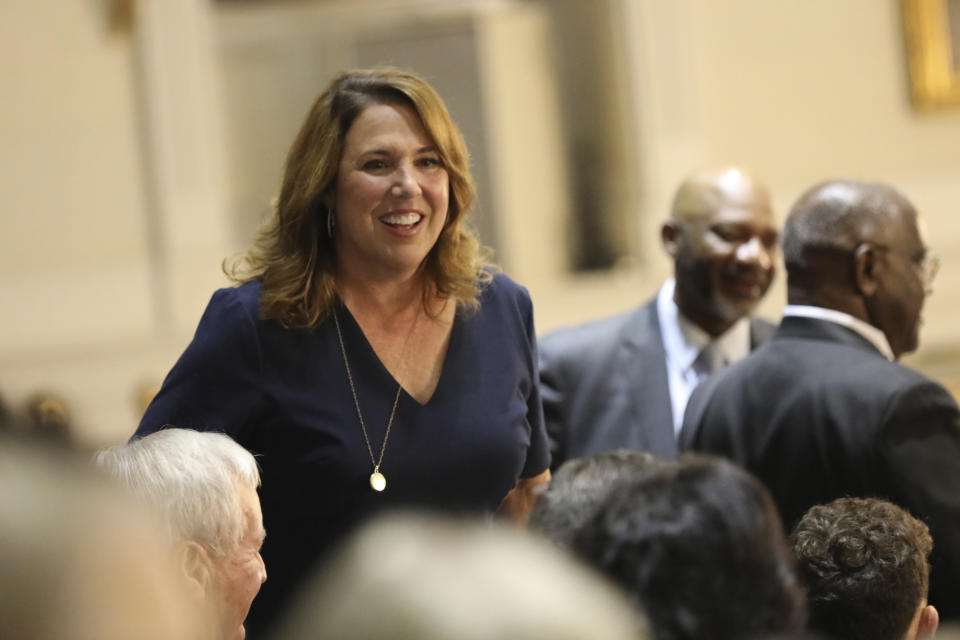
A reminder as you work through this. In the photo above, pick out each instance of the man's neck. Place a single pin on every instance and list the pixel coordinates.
(828, 299)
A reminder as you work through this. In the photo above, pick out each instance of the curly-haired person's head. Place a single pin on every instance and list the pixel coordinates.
(864, 564)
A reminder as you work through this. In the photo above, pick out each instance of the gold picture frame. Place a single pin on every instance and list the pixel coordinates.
(933, 48)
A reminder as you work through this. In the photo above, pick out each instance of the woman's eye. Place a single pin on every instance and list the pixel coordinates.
(374, 165)
(430, 162)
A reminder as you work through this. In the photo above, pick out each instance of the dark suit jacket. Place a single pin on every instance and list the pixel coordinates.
(819, 413)
(604, 385)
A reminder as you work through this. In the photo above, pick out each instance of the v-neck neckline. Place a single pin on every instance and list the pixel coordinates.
(384, 371)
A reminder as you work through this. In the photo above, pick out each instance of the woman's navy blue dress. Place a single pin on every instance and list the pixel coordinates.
(284, 395)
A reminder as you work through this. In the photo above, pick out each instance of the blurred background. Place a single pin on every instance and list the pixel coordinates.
(143, 142)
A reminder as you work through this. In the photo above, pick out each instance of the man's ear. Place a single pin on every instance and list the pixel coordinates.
(929, 621)
(865, 267)
(670, 237)
(193, 566)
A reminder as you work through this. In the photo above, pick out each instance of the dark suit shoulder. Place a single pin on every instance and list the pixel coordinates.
(785, 372)
(912, 399)
(586, 340)
(838, 366)
(789, 376)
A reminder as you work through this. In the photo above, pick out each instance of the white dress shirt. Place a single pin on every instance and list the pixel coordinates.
(868, 331)
(683, 341)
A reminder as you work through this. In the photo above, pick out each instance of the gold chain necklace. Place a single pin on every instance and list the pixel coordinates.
(377, 480)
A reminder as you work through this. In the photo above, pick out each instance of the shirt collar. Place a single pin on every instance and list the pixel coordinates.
(875, 336)
(683, 340)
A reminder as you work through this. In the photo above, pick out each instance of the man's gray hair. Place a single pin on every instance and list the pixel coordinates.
(190, 477)
(838, 215)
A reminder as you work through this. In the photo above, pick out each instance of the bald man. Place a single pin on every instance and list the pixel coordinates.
(823, 410)
(623, 382)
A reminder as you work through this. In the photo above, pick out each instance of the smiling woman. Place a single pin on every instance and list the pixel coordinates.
(369, 355)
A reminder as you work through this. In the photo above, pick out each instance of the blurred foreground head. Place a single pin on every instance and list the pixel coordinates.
(406, 577)
(77, 559)
(204, 487)
(698, 545)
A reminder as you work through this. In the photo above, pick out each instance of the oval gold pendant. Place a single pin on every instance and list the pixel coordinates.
(377, 481)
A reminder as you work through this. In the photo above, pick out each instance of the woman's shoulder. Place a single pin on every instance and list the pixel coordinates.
(503, 295)
(501, 286)
(233, 302)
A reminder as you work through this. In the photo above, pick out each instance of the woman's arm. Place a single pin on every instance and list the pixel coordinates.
(518, 504)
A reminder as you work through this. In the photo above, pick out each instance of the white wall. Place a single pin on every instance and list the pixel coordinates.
(74, 269)
(102, 280)
(73, 220)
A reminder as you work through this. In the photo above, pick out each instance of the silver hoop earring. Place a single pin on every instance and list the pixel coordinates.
(331, 222)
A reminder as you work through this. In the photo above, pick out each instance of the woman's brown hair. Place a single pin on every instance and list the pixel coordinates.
(293, 255)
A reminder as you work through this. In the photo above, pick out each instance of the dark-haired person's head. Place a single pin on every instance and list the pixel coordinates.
(699, 547)
(579, 487)
(856, 247)
(864, 564)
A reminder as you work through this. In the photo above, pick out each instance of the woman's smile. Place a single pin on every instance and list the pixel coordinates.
(403, 222)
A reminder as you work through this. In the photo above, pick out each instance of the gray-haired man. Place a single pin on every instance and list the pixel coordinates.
(204, 485)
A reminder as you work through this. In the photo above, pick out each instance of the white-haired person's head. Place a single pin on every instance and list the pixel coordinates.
(204, 487)
(418, 577)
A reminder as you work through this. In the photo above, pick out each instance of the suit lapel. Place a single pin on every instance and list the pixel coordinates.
(643, 363)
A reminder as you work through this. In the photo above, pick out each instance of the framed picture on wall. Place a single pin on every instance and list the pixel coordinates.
(933, 47)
